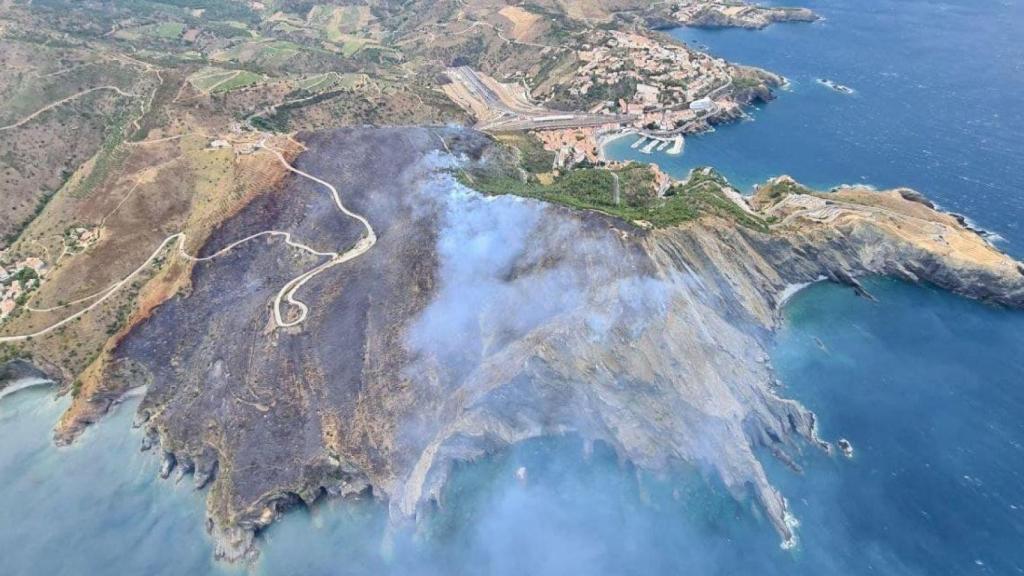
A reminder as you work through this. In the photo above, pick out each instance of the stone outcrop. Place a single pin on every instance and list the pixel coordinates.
(21, 373)
(476, 322)
(715, 15)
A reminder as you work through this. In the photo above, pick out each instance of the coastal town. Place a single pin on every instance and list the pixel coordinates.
(670, 84)
(624, 83)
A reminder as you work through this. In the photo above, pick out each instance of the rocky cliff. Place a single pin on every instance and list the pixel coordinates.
(476, 322)
(716, 15)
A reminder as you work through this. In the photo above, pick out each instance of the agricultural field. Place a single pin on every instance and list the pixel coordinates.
(287, 64)
(168, 30)
(164, 30)
(241, 79)
(263, 53)
(217, 81)
(339, 23)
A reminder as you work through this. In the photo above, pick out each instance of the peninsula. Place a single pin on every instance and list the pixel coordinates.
(648, 330)
(732, 14)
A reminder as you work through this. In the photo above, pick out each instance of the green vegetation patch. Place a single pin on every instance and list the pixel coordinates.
(775, 190)
(277, 53)
(208, 78)
(217, 81)
(10, 352)
(594, 188)
(337, 22)
(352, 46)
(242, 79)
(227, 30)
(163, 30)
(261, 53)
(170, 30)
(703, 194)
(110, 157)
(287, 27)
(746, 82)
(316, 82)
(533, 157)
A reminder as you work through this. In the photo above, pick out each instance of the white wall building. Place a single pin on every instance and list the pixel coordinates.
(702, 105)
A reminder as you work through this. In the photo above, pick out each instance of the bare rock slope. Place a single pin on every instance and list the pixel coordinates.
(476, 322)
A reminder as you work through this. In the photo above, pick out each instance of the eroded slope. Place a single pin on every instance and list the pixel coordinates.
(476, 322)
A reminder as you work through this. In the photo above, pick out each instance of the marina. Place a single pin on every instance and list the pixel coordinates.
(648, 144)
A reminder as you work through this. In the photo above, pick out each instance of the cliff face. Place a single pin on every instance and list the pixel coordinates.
(714, 15)
(477, 322)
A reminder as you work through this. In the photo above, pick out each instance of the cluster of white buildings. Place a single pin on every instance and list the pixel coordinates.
(671, 81)
(239, 147)
(16, 280)
(688, 10)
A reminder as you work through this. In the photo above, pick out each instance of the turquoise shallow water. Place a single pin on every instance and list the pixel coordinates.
(94, 508)
(923, 383)
(927, 386)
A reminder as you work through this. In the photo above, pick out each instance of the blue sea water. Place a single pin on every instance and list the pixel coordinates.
(925, 385)
(937, 105)
(92, 508)
(929, 387)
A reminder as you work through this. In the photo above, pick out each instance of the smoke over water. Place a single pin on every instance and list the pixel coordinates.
(548, 321)
(99, 507)
(544, 507)
(594, 414)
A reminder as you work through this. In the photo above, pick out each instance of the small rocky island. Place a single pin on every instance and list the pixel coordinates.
(602, 302)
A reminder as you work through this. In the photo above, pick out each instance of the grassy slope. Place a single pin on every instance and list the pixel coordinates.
(592, 188)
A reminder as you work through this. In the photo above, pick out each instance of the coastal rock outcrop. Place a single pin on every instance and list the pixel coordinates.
(714, 15)
(476, 322)
(20, 373)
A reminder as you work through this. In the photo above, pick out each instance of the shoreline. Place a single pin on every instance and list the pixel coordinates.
(24, 384)
(605, 139)
(792, 290)
(992, 238)
(611, 136)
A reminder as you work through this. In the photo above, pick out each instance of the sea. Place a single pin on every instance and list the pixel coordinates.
(936, 104)
(928, 387)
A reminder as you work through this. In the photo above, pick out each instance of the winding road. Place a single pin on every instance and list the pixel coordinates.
(361, 247)
(287, 292)
(53, 105)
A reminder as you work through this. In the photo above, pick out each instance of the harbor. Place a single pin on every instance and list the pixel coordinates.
(648, 144)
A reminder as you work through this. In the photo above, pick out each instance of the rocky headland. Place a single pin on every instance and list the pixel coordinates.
(477, 321)
(20, 373)
(736, 15)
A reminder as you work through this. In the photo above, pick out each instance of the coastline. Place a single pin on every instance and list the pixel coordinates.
(24, 384)
(908, 377)
(611, 136)
(792, 290)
